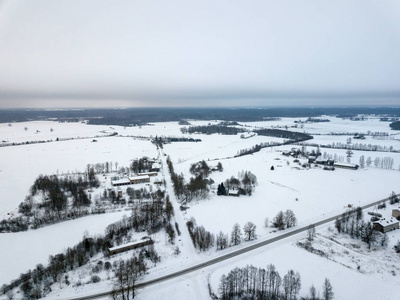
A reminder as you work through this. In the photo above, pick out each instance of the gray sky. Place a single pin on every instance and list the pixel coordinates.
(74, 53)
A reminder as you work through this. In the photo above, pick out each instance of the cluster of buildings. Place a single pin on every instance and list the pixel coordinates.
(328, 164)
(331, 163)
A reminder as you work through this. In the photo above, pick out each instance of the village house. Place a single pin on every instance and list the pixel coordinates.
(385, 225)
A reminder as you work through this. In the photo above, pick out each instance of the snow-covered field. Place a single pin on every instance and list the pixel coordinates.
(311, 193)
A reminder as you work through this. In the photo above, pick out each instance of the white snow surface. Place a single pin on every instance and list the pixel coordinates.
(319, 194)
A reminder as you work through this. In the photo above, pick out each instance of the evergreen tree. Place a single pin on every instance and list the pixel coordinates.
(327, 290)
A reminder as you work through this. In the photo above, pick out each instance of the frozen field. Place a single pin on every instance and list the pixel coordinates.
(319, 194)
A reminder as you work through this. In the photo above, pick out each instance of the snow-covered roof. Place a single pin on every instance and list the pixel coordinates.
(121, 181)
(350, 165)
(146, 173)
(386, 222)
(139, 177)
(128, 245)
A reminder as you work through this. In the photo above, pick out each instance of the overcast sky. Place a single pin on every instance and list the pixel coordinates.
(75, 53)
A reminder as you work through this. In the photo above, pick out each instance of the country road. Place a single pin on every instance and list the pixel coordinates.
(212, 261)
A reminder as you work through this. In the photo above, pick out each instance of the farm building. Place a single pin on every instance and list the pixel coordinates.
(348, 166)
(234, 193)
(155, 167)
(148, 174)
(385, 225)
(119, 182)
(130, 246)
(139, 179)
(396, 212)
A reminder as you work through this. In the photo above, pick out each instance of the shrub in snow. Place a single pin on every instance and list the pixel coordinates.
(107, 265)
(95, 279)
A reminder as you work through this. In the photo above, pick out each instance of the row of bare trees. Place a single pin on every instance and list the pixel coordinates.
(267, 284)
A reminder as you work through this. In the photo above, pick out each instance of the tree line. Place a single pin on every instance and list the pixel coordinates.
(204, 240)
(355, 146)
(267, 284)
(212, 129)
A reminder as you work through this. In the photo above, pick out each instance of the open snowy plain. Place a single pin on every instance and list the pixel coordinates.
(312, 193)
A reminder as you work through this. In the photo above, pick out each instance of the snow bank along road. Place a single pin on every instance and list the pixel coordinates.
(229, 255)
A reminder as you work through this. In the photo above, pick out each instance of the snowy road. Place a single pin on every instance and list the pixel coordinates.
(234, 253)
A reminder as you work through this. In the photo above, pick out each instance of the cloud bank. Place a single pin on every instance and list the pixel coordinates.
(165, 53)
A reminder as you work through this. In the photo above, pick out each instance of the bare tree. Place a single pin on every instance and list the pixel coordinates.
(222, 241)
(290, 218)
(311, 232)
(313, 293)
(249, 231)
(236, 235)
(279, 221)
(291, 285)
(384, 240)
(368, 234)
(362, 161)
(126, 273)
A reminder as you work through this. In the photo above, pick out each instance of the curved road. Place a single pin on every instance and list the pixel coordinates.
(230, 254)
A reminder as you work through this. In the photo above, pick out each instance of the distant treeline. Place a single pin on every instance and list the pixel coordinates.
(285, 134)
(211, 129)
(171, 139)
(395, 125)
(140, 116)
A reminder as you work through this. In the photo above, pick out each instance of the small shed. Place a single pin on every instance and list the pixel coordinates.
(234, 193)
